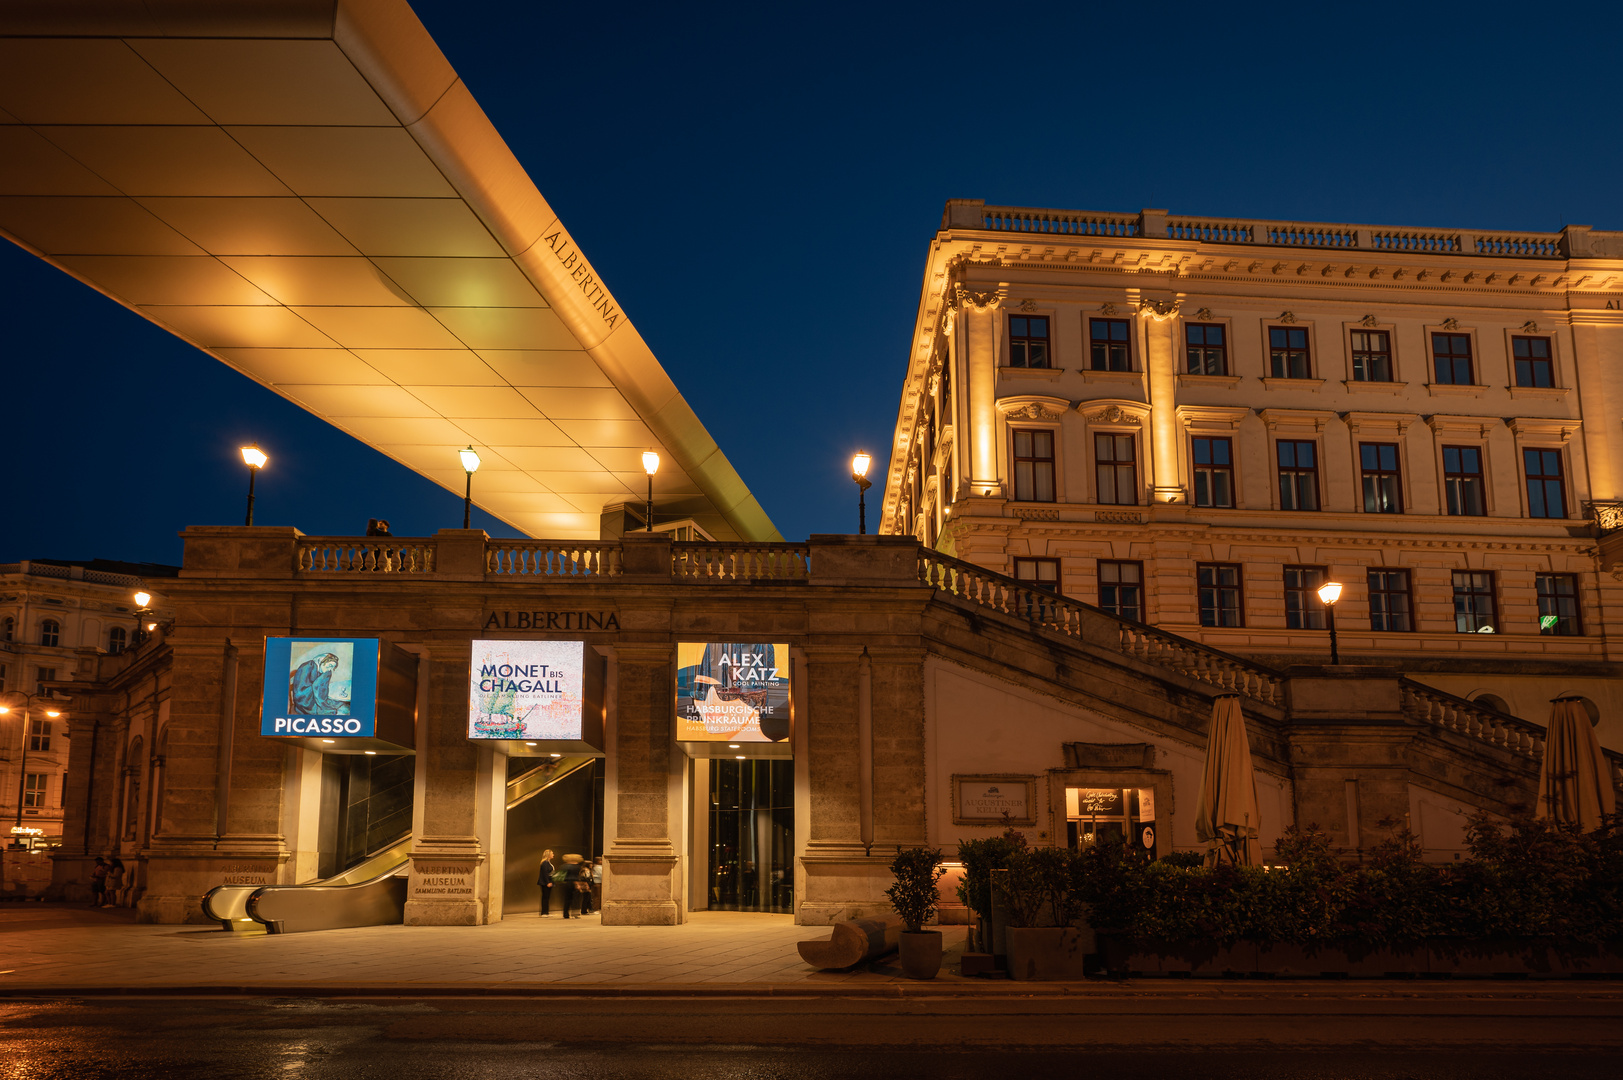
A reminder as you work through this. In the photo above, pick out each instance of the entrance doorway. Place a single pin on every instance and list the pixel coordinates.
(752, 835)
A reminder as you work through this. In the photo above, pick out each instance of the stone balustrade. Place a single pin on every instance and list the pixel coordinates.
(551, 558)
(1429, 706)
(382, 555)
(740, 562)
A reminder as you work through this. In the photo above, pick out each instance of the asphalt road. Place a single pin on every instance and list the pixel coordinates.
(1277, 1033)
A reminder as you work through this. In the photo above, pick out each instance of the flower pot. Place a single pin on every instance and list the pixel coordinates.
(1048, 953)
(921, 953)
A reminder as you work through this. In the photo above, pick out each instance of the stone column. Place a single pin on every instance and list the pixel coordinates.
(978, 313)
(448, 861)
(642, 886)
(1160, 365)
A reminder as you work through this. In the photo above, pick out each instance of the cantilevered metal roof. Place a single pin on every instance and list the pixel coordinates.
(306, 190)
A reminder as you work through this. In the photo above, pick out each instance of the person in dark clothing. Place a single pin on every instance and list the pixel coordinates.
(98, 882)
(572, 879)
(545, 881)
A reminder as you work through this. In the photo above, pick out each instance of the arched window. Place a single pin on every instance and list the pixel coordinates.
(1592, 709)
(1493, 701)
(50, 632)
(116, 637)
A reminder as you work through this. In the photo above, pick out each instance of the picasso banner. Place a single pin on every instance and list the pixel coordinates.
(730, 692)
(320, 686)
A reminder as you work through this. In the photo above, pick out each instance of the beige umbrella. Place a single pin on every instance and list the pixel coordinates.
(1575, 785)
(1227, 816)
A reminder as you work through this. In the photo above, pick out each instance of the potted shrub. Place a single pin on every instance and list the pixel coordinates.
(980, 859)
(1048, 936)
(914, 896)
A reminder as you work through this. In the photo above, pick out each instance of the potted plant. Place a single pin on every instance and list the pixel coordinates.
(915, 897)
(1048, 936)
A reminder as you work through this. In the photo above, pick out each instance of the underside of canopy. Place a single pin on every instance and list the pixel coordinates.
(306, 190)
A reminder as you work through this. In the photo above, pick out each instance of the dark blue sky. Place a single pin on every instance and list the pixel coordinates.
(758, 186)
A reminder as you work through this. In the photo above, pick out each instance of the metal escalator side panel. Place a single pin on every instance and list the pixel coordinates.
(372, 866)
(526, 787)
(227, 905)
(288, 909)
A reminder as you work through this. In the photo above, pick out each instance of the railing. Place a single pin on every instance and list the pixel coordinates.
(1434, 707)
(1063, 222)
(384, 555)
(1415, 242)
(727, 562)
(1065, 616)
(1215, 231)
(551, 558)
(1293, 234)
(1607, 514)
(1522, 245)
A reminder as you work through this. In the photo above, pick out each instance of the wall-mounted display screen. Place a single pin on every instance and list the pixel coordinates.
(320, 686)
(530, 690)
(729, 692)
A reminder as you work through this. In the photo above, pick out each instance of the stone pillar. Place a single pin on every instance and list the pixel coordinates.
(979, 314)
(898, 745)
(448, 861)
(643, 881)
(1160, 364)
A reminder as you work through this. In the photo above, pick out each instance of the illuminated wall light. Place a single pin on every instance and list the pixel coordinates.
(370, 753)
(329, 740)
(557, 755)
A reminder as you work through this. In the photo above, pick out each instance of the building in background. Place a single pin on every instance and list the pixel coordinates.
(54, 615)
(1195, 422)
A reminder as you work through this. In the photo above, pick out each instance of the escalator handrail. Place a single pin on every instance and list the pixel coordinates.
(318, 889)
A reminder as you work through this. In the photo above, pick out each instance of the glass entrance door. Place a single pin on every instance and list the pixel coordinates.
(752, 835)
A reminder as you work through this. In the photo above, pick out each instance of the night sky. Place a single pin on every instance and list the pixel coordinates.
(758, 185)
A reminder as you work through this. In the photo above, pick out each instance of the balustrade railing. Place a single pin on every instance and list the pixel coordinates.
(551, 558)
(1524, 245)
(1413, 241)
(1065, 616)
(1429, 706)
(728, 562)
(1062, 222)
(385, 555)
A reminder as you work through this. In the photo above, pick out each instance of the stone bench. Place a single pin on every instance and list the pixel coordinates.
(852, 942)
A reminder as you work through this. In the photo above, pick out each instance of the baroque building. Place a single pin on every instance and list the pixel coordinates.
(1194, 422)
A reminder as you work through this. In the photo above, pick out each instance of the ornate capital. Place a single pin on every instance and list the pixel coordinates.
(980, 301)
(1159, 310)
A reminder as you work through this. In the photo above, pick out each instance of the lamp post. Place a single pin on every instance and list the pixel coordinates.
(470, 465)
(1329, 593)
(859, 472)
(650, 465)
(143, 608)
(254, 458)
(22, 773)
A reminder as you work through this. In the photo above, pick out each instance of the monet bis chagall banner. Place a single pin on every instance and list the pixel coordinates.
(531, 690)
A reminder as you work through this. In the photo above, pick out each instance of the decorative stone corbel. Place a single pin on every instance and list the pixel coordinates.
(1159, 310)
(1287, 317)
(1451, 323)
(1369, 321)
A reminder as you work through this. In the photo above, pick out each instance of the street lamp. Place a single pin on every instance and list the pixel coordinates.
(859, 472)
(254, 458)
(22, 774)
(650, 465)
(1329, 593)
(143, 608)
(470, 465)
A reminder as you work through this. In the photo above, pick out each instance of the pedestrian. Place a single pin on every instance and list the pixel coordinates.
(572, 880)
(98, 882)
(597, 883)
(545, 881)
(115, 881)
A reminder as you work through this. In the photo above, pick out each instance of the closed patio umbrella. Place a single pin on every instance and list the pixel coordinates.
(1227, 818)
(1575, 783)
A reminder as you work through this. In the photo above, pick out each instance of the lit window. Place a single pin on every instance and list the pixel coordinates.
(1473, 602)
(39, 735)
(1033, 465)
(1303, 608)
(1115, 459)
(1462, 481)
(1383, 487)
(1039, 573)
(34, 790)
(116, 639)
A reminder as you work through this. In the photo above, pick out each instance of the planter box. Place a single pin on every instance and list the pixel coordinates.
(1440, 957)
(1048, 953)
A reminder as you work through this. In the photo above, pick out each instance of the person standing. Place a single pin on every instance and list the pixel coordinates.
(115, 882)
(98, 882)
(597, 883)
(545, 881)
(571, 882)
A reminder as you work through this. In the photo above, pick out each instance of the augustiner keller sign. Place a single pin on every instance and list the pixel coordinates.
(551, 620)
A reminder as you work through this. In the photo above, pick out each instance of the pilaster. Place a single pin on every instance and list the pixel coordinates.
(643, 881)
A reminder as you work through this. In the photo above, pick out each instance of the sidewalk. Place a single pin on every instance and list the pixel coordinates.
(50, 949)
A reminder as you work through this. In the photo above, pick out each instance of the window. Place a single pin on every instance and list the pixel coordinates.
(44, 675)
(948, 492)
(1115, 460)
(1462, 481)
(1473, 602)
(1558, 605)
(1039, 573)
(1220, 598)
(1298, 474)
(1033, 465)
(34, 790)
(1288, 353)
(1214, 471)
(1383, 488)
(2, 678)
(1532, 357)
(116, 637)
(1546, 494)
(50, 632)
(1303, 609)
(1028, 341)
(1372, 356)
(8, 628)
(1208, 350)
(1451, 354)
(1121, 588)
(39, 735)
(1389, 607)
(1109, 341)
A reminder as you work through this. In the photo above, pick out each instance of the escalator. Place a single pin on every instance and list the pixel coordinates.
(371, 891)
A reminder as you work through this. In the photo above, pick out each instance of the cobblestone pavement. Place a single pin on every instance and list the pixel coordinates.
(66, 947)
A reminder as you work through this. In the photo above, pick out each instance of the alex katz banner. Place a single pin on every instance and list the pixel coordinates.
(529, 690)
(320, 686)
(730, 692)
